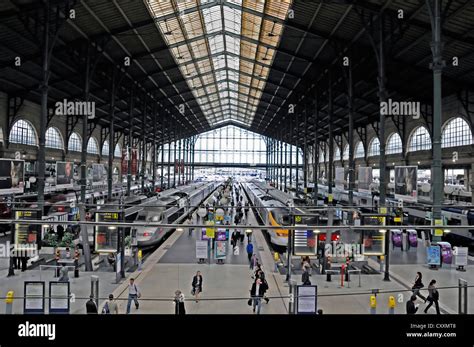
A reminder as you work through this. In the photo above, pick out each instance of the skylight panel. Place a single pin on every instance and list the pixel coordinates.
(232, 19)
(232, 44)
(216, 44)
(212, 19)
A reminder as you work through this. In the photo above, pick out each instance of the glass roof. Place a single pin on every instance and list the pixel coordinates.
(224, 49)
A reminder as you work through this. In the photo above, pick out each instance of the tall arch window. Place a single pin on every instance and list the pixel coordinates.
(23, 132)
(394, 144)
(359, 150)
(456, 132)
(374, 147)
(92, 146)
(337, 154)
(117, 151)
(420, 140)
(53, 139)
(105, 148)
(75, 143)
(345, 155)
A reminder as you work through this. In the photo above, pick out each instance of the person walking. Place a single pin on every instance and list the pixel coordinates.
(411, 307)
(256, 292)
(305, 277)
(110, 306)
(64, 274)
(250, 253)
(433, 297)
(418, 284)
(91, 307)
(133, 294)
(179, 303)
(197, 285)
(188, 222)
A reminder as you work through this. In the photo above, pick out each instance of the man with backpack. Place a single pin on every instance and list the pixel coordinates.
(110, 306)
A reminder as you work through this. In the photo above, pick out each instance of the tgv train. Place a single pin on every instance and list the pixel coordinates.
(419, 213)
(169, 207)
(271, 212)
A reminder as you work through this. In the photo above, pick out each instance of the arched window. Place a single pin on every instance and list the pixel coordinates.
(118, 151)
(456, 132)
(321, 156)
(359, 150)
(337, 154)
(345, 155)
(53, 139)
(420, 140)
(394, 144)
(92, 146)
(374, 147)
(75, 143)
(105, 148)
(23, 132)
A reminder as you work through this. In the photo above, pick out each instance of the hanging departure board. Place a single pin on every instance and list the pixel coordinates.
(373, 240)
(106, 236)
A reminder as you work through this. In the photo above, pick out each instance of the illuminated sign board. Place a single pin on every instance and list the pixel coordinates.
(106, 237)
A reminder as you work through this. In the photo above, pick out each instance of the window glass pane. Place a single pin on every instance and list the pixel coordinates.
(420, 140)
(22, 132)
(53, 139)
(456, 132)
(75, 143)
(92, 146)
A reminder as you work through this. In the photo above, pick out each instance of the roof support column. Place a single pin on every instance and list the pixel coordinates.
(286, 165)
(111, 134)
(169, 161)
(44, 109)
(434, 9)
(316, 149)
(179, 161)
(130, 141)
(143, 150)
(174, 156)
(281, 161)
(153, 175)
(350, 109)
(331, 139)
(297, 149)
(382, 98)
(291, 155)
(305, 151)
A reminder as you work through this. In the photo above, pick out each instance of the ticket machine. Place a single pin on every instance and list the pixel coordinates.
(412, 236)
(397, 239)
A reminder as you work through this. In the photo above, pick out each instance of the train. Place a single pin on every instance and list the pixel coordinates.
(169, 207)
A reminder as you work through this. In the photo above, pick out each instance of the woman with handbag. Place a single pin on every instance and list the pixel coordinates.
(418, 284)
(433, 297)
(179, 302)
(197, 285)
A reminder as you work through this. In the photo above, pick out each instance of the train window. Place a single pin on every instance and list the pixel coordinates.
(286, 219)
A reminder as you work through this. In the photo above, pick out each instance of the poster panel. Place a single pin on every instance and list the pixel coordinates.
(339, 179)
(433, 255)
(304, 242)
(201, 249)
(64, 174)
(98, 176)
(34, 293)
(405, 183)
(59, 297)
(460, 256)
(12, 176)
(124, 161)
(220, 249)
(365, 179)
(307, 299)
(27, 237)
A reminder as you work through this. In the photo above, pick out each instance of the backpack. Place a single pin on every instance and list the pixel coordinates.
(106, 309)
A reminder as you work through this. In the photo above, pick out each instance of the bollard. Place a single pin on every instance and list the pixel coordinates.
(276, 257)
(139, 256)
(373, 304)
(9, 302)
(342, 275)
(328, 276)
(391, 304)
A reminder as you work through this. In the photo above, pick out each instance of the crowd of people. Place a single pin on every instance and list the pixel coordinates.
(432, 298)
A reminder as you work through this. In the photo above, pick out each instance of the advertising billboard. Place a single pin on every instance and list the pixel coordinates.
(339, 179)
(365, 179)
(433, 255)
(134, 164)
(405, 183)
(124, 161)
(27, 237)
(12, 176)
(98, 174)
(64, 174)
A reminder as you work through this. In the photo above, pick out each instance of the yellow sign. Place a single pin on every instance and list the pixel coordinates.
(397, 219)
(305, 190)
(383, 210)
(9, 298)
(330, 198)
(373, 301)
(438, 232)
(210, 232)
(276, 256)
(391, 301)
(298, 219)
